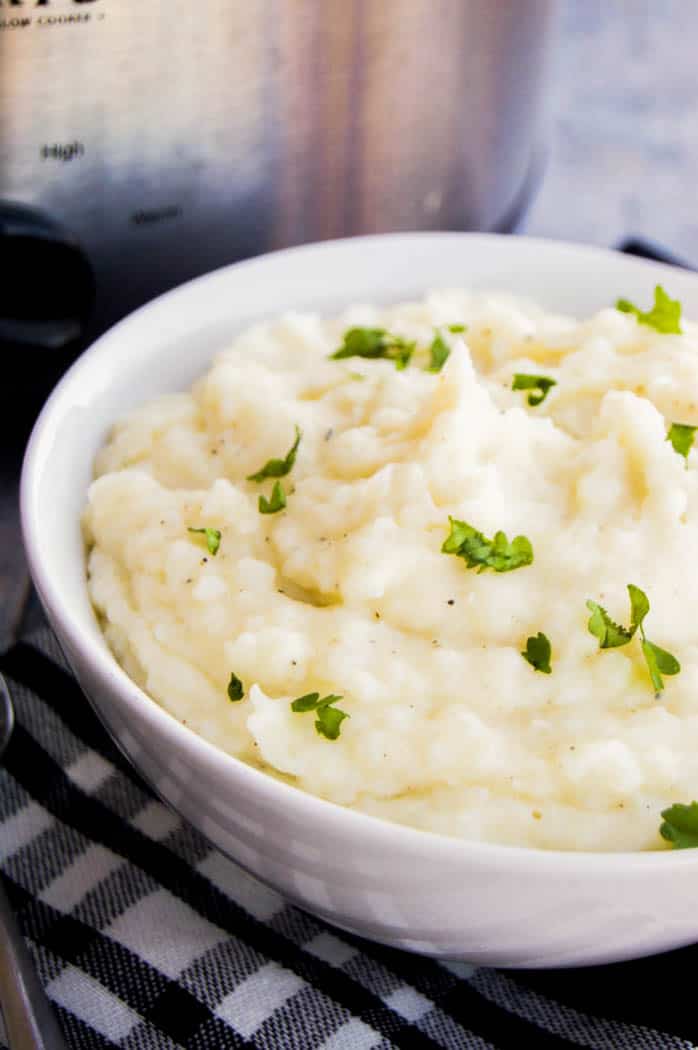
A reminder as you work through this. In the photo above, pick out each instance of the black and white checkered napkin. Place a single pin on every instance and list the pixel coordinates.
(147, 938)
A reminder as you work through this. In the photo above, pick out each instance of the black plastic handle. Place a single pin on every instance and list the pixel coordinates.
(48, 287)
(650, 250)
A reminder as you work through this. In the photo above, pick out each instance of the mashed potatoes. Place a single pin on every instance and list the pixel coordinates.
(346, 591)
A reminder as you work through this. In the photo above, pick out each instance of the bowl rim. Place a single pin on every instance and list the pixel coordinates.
(600, 863)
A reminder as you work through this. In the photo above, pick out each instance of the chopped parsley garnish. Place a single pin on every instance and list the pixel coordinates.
(403, 355)
(440, 352)
(477, 551)
(538, 385)
(665, 315)
(329, 718)
(609, 633)
(681, 436)
(659, 662)
(236, 689)
(612, 635)
(363, 342)
(680, 826)
(213, 538)
(537, 653)
(277, 501)
(278, 468)
(375, 343)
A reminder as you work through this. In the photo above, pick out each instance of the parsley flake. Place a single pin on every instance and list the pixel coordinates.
(277, 501)
(213, 538)
(680, 826)
(681, 436)
(664, 317)
(363, 342)
(468, 543)
(440, 352)
(329, 718)
(609, 633)
(236, 689)
(278, 468)
(639, 607)
(374, 343)
(538, 652)
(403, 355)
(538, 385)
(457, 328)
(612, 635)
(659, 662)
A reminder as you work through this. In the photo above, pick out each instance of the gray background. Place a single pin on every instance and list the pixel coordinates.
(624, 138)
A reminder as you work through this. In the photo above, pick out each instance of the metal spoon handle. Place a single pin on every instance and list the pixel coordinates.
(29, 1020)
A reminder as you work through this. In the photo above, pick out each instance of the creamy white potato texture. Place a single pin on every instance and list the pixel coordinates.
(347, 591)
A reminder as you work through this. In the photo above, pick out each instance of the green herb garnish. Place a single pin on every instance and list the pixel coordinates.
(659, 662)
(538, 652)
(403, 355)
(277, 501)
(440, 352)
(609, 633)
(329, 718)
(681, 436)
(680, 826)
(236, 690)
(541, 384)
(374, 343)
(612, 635)
(466, 542)
(213, 538)
(363, 342)
(665, 315)
(457, 328)
(278, 468)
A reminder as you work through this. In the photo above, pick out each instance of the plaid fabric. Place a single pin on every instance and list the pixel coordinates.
(147, 938)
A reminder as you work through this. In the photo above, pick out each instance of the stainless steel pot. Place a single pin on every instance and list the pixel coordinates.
(166, 138)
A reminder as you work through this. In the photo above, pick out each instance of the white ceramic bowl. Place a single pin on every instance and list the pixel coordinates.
(488, 904)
